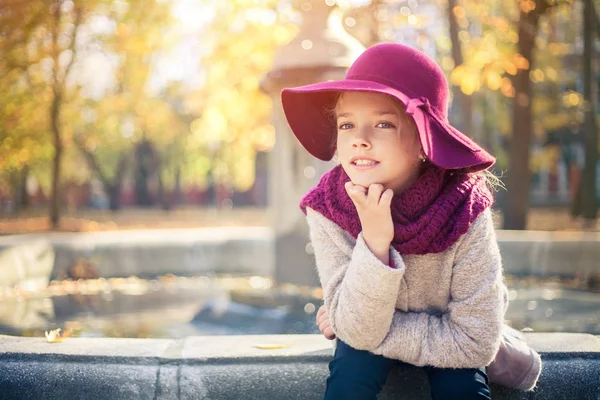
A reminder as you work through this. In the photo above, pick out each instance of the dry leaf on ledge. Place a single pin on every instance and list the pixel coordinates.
(54, 335)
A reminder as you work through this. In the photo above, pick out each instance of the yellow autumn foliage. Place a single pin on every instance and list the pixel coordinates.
(236, 116)
(491, 59)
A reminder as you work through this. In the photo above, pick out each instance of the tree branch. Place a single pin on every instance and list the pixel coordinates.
(91, 159)
(56, 13)
(73, 44)
(596, 21)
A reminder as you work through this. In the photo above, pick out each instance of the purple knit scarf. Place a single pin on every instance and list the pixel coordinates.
(429, 216)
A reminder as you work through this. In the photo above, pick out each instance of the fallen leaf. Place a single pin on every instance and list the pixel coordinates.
(54, 335)
(273, 346)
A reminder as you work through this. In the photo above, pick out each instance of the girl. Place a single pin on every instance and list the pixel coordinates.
(401, 229)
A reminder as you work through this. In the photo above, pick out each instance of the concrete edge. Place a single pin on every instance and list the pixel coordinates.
(290, 367)
(239, 349)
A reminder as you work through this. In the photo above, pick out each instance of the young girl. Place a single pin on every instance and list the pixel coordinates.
(401, 229)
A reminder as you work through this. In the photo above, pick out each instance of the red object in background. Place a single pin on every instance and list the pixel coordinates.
(574, 179)
(127, 195)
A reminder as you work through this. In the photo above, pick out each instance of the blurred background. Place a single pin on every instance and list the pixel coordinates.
(149, 183)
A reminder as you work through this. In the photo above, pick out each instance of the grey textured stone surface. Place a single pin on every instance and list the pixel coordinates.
(75, 380)
(572, 378)
(246, 367)
(256, 380)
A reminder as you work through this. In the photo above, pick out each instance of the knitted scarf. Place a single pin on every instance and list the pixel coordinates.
(429, 216)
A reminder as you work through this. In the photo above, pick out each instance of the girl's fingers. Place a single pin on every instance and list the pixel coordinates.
(322, 311)
(328, 333)
(326, 329)
(386, 198)
(374, 195)
(322, 319)
(357, 193)
(324, 324)
(351, 188)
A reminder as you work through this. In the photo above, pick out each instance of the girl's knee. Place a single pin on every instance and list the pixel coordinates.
(356, 374)
(359, 361)
(459, 384)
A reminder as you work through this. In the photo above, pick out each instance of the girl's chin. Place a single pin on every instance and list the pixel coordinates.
(362, 179)
(368, 182)
(362, 182)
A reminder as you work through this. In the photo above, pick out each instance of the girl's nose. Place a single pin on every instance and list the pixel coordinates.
(361, 140)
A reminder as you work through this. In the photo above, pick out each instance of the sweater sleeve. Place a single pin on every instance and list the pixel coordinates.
(359, 291)
(468, 334)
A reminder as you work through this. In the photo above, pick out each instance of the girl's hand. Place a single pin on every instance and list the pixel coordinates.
(324, 324)
(375, 215)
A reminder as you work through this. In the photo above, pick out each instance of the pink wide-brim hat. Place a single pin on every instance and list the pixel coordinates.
(407, 75)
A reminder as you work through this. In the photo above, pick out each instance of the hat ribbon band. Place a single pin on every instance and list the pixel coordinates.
(412, 104)
(423, 103)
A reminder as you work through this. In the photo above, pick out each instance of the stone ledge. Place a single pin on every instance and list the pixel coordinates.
(234, 367)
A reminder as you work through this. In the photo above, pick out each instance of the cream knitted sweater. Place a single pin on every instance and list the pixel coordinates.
(445, 310)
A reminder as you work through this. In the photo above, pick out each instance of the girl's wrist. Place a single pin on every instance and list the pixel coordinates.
(382, 252)
(384, 257)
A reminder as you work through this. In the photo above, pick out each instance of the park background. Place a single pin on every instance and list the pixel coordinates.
(146, 168)
(161, 105)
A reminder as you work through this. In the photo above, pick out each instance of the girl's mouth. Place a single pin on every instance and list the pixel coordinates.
(363, 163)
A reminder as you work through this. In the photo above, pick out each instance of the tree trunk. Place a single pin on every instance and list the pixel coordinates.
(145, 171)
(18, 182)
(114, 196)
(588, 183)
(519, 174)
(111, 188)
(58, 89)
(24, 195)
(465, 101)
(576, 202)
(164, 195)
(177, 200)
(58, 150)
(114, 188)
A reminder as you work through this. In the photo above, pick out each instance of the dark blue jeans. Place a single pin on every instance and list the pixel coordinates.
(360, 375)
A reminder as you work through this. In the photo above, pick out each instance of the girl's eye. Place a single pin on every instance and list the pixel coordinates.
(385, 125)
(345, 126)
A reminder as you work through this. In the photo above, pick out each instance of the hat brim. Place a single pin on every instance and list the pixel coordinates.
(308, 108)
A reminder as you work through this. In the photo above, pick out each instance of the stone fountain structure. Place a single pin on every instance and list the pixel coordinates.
(322, 50)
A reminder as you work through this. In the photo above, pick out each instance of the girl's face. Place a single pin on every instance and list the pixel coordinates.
(375, 142)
